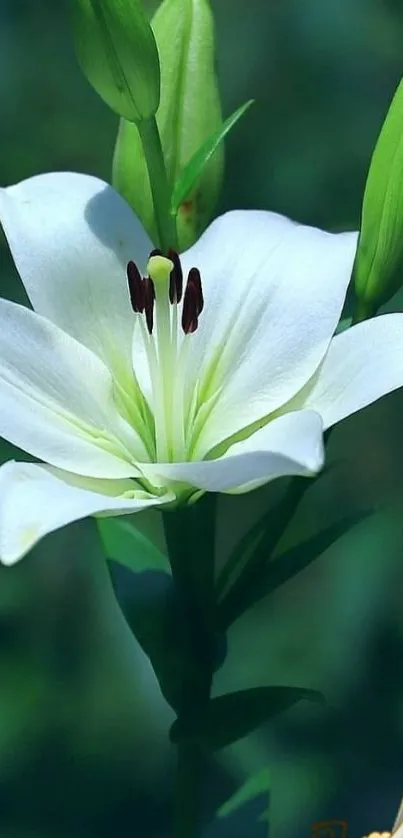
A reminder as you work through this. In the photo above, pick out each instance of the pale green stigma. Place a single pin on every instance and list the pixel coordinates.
(159, 269)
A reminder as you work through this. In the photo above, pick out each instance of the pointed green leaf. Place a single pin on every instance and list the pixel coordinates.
(258, 544)
(160, 620)
(269, 575)
(196, 165)
(253, 787)
(230, 717)
(124, 543)
(288, 564)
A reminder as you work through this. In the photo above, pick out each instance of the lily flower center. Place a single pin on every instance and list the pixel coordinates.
(155, 299)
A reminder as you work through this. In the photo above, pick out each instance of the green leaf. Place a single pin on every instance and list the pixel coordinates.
(254, 786)
(230, 717)
(269, 575)
(160, 620)
(288, 564)
(196, 165)
(118, 55)
(378, 268)
(124, 543)
(258, 544)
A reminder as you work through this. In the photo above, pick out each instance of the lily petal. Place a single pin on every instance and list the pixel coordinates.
(362, 364)
(273, 293)
(289, 445)
(36, 500)
(71, 237)
(56, 399)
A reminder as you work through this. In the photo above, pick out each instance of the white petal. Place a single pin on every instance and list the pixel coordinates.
(362, 364)
(35, 501)
(289, 445)
(56, 399)
(71, 237)
(273, 295)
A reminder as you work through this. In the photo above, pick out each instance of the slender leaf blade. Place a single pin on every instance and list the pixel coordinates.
(293, 561)
(194, 168)
(230, 717)
(270, 575)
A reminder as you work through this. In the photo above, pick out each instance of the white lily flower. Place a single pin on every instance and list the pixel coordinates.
(220, 388)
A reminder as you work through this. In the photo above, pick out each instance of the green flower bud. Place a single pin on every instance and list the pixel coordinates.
(118, 55)
(378, 269)
(189, 113)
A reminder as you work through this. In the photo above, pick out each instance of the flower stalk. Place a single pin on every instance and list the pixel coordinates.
(190, 537)
(160, 188)
(187, 798)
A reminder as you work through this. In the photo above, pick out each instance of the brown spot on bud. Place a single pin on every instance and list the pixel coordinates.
(187, 206)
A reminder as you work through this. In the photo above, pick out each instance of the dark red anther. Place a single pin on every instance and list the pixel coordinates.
(194, 279)
(193, 302)
(136, 287)
(149, 297)
(156, 252)
(176, 278)
(189, 310)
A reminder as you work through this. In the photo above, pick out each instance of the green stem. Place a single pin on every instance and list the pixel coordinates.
(160, 188)
(190, 539)
(187, 803)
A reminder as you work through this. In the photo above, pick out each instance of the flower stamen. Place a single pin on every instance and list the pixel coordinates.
(136, 288)
(176, 278)
(149, 298)
(157, 295)
(193, 302)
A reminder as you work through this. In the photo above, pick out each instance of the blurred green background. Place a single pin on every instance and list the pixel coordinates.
(83, 728)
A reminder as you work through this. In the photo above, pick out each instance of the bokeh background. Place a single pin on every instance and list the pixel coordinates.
(83, 728)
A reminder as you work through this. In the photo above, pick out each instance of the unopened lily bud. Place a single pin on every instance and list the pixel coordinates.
(188, 115)
(118, 55)
(378, 269)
